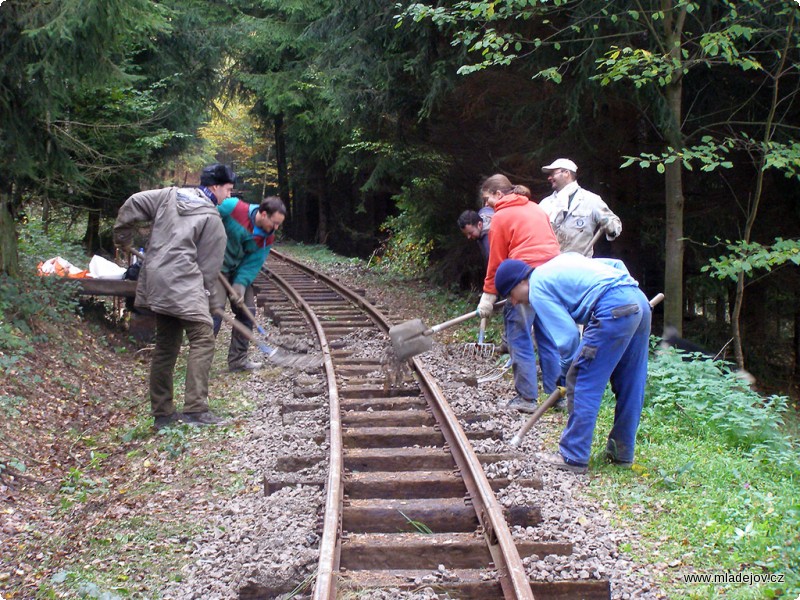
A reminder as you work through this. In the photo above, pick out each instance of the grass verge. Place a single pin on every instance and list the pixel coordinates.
(714, 491)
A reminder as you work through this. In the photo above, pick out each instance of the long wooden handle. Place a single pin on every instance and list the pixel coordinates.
(656, 299)
(595, 239)
(543, 408)
(457, 320)
(265, 348)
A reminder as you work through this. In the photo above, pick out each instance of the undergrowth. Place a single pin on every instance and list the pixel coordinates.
(714, 488)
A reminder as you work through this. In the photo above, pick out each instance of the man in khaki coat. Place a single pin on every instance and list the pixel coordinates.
(177, 282)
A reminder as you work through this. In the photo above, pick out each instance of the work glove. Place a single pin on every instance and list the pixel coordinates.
(486, 305)
(238, 293)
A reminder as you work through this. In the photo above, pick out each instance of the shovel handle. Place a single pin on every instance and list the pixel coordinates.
(268, 350)
(457, 320)
(543, 408)
(242, 306)
(482, 331)
(656, 299)
(595, 239)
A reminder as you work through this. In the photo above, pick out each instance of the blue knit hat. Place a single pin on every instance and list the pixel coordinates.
(509, 274)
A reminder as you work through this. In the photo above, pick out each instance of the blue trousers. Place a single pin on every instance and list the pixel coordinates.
(614, 347)
(549, 358)
(518, 321)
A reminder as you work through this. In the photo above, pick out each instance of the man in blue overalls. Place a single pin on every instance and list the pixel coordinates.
(601, 295)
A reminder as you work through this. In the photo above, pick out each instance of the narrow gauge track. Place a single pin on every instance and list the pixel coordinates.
(407, 502)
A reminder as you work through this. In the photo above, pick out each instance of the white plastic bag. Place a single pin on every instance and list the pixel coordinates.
(100, 268)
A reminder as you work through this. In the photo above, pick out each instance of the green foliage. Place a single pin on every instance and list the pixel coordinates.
(62, 239)
(174, 440)
(637, 65)
(407, 250)
(29, 303)
(747, 257)
(714, 485)
(418, 526)
(78, 485)
(706, 397)
(710, 153)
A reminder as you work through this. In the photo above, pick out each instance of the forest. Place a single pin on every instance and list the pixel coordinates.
(376, 121)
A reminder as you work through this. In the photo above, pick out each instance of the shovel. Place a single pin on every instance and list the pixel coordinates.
(276, 355)
(279, 356)
(412, 337)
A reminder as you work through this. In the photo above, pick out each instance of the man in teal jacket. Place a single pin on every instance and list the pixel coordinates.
(251, 231)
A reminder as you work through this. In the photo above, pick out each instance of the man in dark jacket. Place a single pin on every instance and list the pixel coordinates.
(251, 232)
(177, 282)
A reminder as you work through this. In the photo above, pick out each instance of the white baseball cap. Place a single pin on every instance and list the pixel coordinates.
(561, 163)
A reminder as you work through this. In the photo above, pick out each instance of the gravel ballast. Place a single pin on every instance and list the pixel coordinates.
(259, 545)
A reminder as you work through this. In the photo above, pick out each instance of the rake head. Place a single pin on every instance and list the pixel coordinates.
(496, 373)
(476, 350)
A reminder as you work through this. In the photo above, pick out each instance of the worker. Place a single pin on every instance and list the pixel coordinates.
(251, 232)
(575, 213)
(520, 230)
(601, 295)
(177, 282)
(474, 228)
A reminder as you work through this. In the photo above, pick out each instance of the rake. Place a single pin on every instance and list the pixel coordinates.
(479, 349)
(497, 372)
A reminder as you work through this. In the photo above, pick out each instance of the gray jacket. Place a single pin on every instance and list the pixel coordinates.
(184, 253)
(575, 222)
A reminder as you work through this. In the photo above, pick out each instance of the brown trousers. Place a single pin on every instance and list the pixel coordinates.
(169, 336)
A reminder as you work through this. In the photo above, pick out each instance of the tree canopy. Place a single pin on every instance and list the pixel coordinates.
(377, 122)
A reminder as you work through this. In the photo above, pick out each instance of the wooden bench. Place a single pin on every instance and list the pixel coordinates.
(142, 323)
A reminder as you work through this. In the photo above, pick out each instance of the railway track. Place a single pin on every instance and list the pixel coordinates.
(407, 503)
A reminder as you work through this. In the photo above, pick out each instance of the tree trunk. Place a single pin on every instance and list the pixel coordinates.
(736, 327)
(9, 257)
(322, 211)
(46, 215)
(673, 241)
(673, 177)
(91, 239)
(280, 160)
(796, 370)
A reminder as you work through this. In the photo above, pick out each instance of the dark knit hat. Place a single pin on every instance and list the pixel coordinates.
(509, 274)
(217, 174)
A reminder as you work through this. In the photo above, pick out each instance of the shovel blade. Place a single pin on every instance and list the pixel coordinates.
(408, 339)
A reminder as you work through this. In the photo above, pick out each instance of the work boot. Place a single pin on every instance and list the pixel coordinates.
(200, 418)
(248, 365)
(164, 421)
(611, 456)
(554, 459)
(522, 405)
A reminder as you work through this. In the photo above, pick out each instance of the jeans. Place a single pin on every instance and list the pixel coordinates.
(518, 322)
(549, 358)
(614, 347)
